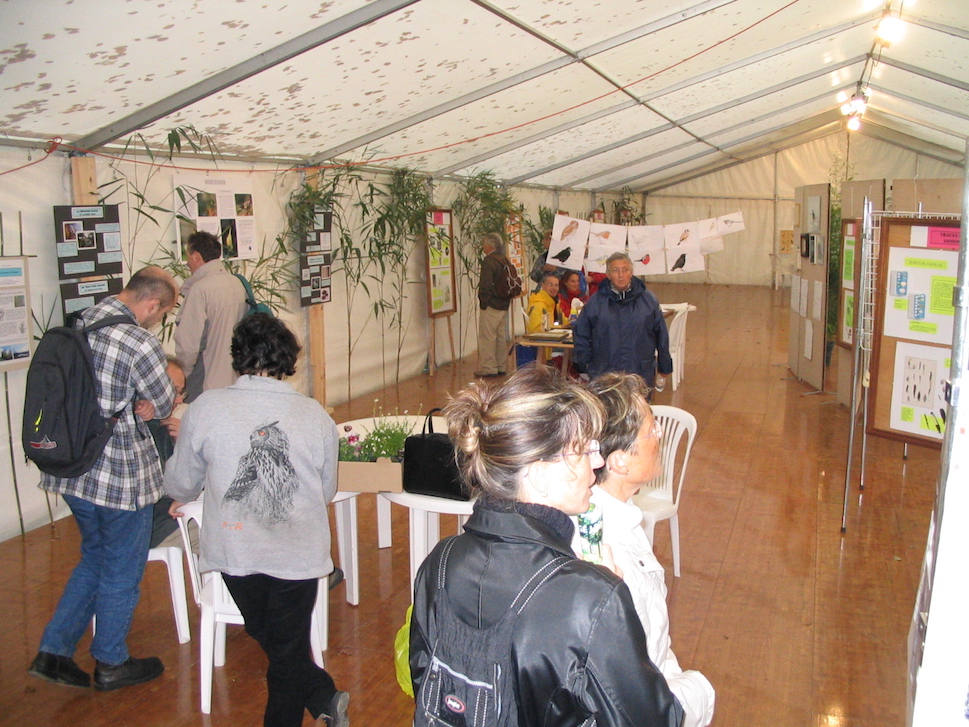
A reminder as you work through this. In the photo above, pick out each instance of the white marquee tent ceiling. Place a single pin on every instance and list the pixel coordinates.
(592, 94)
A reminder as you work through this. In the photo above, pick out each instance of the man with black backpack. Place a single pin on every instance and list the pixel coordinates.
(112, 501)
(495, 291)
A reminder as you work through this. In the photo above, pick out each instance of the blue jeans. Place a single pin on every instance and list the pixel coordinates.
(114, 550)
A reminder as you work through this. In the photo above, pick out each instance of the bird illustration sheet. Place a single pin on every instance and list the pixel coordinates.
(734, 222)
(569, 238)
(711, 240)
(647, 249)
(604, 240)
(683, 253)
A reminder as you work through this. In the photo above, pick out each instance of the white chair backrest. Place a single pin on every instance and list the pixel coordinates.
(221, 600)
(192, 512)
(675, 423)
(678, 325)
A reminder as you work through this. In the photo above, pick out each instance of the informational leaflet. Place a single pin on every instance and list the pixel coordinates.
(918, 396)
(918, 303)
(15, 332)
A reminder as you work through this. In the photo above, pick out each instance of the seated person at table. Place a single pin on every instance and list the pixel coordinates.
(543, 310)
(630, 445)
(264, 456)
(570, 287)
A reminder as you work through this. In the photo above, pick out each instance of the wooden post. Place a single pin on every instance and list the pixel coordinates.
(317, 351)
(84, 180)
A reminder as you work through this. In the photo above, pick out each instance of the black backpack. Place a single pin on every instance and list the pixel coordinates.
(64, 432)
(469, 680)
(509, 282)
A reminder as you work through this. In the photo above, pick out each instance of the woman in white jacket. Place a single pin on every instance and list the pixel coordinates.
(630, 447)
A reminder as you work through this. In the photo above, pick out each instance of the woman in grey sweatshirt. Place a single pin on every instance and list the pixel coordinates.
(265, 456)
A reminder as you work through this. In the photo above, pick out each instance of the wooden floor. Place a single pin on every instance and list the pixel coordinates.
(793, 623)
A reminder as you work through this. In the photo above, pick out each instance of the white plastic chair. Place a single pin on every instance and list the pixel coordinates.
(425, 526)
(218, 609)
(171, 556)
(345, 512)
(677, 331)
(657, 499)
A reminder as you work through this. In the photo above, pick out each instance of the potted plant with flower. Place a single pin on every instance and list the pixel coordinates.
(372, 452)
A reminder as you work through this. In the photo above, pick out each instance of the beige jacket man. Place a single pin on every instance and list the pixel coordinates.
(214, 302)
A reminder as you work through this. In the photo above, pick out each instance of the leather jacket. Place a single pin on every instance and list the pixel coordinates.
(579, 652)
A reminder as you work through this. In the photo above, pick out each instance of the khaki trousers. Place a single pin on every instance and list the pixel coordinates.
(492, 340)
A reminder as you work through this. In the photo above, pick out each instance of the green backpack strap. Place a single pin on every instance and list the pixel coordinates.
(254, 306)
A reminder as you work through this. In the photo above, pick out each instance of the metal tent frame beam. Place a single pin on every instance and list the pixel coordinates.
(224, 79)
(728, 130)
(567, 59)
(693, 117)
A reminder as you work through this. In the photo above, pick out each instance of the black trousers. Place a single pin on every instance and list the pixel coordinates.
(278, 614)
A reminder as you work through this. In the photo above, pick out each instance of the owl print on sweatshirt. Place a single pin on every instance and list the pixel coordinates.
(265, 480)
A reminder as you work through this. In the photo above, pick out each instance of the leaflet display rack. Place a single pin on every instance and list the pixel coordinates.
(913, 327)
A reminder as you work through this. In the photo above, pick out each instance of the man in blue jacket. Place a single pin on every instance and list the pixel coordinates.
(621, 328)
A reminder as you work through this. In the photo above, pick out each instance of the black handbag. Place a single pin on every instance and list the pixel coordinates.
(429, 464)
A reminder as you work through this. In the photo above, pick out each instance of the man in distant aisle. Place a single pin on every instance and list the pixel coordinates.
(214, 301)
(112, 503)
(622, 328)
(493, 319)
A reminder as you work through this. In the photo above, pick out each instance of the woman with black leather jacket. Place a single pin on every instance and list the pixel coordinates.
(527, 448)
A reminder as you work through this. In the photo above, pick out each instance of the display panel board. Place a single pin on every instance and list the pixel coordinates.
(441, 299)
(88, 239)
(848, 285)
(316, 257)
(806, 343)
(16, 325)
(914, 316)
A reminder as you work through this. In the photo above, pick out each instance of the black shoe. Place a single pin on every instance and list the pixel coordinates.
(335, 578)
(133, 671)
(336, 715)
(58, 669)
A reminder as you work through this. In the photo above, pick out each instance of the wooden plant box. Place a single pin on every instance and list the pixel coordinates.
(380, 476)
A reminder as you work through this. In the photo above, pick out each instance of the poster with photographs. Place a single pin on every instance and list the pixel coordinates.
(16, 332)
(647, 249)
(441, 299)
(515, 247)
(569, 238)
(220, 205)
(88, 240)
(315, 260)
(918, 396)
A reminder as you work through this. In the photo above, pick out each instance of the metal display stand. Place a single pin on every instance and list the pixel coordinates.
(864, 335)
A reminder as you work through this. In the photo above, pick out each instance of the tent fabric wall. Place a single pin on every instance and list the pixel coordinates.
(31, 192)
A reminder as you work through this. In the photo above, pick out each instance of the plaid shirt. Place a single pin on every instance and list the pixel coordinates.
(130, 364)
